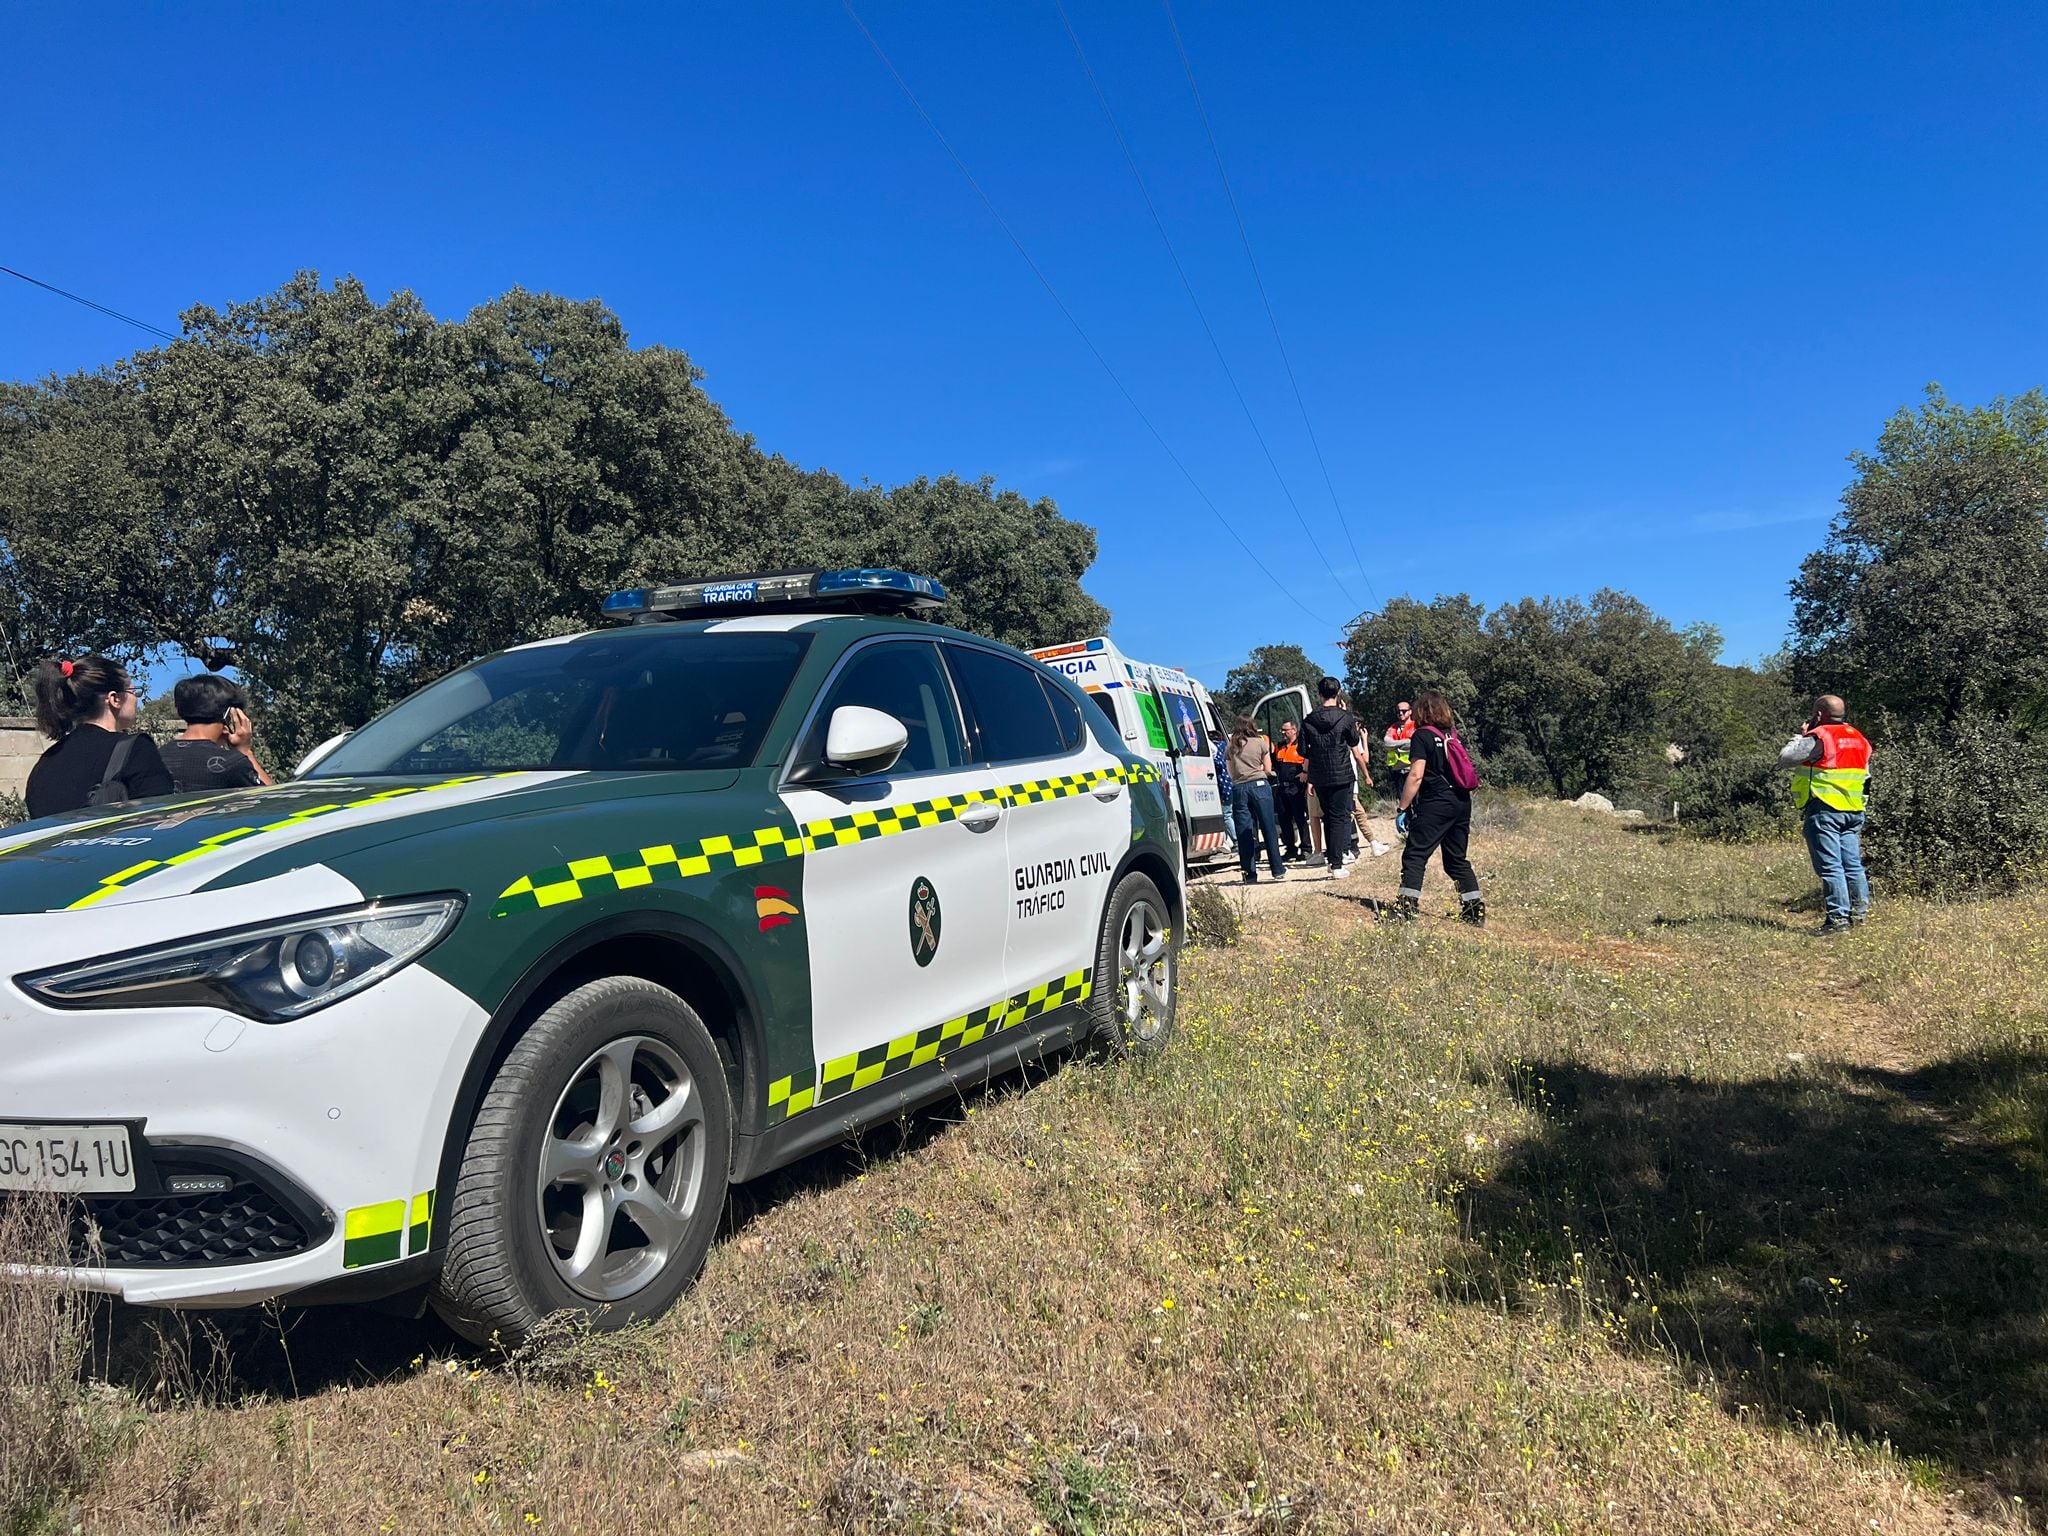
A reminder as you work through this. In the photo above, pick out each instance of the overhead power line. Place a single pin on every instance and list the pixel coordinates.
(1201, 314)
(1187, 65)
(79, 298)
(1071, 319)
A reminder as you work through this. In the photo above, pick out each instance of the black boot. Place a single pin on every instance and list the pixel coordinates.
(1406, 909)
(1473, 912)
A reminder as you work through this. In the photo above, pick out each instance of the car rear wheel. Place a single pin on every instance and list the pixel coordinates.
(595, 1174)
(1137, 971)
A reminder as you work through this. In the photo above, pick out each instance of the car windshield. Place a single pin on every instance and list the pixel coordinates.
(628, 701)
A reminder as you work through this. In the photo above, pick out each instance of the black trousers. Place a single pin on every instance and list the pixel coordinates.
(1442, 821)
(1336, 800)
(1290, 806)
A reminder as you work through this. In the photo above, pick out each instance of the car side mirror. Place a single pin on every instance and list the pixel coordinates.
(314, 756)
(860, 740)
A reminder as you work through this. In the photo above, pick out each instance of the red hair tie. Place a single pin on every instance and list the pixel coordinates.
(66, 666)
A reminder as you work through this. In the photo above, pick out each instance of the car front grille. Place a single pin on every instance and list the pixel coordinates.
(241, 1225)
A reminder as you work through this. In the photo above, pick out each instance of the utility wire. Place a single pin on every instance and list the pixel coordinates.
(1207, 329)
(79, 298)
(1273, 320)
(1079, 330)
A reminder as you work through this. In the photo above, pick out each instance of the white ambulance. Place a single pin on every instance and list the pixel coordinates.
(1164, 714)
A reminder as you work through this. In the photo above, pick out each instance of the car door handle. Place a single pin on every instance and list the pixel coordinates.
(981, 821)
(1107, 792)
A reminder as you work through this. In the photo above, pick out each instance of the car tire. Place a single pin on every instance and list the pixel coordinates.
(1136, 992)
(595, 1173)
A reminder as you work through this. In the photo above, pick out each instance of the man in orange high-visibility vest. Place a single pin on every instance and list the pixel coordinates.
(1399, 735)
(1830, 763)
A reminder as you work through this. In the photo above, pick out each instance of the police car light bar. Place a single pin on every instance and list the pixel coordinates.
(861, 590)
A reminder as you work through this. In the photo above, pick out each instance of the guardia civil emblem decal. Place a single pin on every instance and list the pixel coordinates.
(924, 921)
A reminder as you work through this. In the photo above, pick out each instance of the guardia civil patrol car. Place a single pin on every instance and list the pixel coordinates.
(495, 1000)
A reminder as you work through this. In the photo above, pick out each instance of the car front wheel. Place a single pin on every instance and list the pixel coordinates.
(1137, 971)
(595, 1174)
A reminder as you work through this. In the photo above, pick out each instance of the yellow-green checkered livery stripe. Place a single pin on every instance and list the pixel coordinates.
(666, 863)
(657, 864)
(1072, 784)
(791, 1096)
(390, 1229)
(865, 826)
(122, 879)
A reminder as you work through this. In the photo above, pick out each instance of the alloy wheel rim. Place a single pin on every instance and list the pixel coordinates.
(621, 1169)
(1145, 963)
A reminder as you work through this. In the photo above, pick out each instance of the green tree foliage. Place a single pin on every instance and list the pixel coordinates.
(1011, 567)
(1957, 808)
(1930, 597)
(1927, 609)
(1268, 669)
(1739, 797)
(360, 495)
(1407, 647)
(1564, 694)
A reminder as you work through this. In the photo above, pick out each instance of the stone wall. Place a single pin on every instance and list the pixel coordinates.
(20, 746)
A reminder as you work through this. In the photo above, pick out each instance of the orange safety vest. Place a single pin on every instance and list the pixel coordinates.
(1840, 778)
(1398, 736)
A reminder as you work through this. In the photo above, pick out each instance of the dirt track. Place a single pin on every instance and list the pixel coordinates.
(1378, 878)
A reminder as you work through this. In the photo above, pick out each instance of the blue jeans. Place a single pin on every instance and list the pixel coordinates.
(1252, 808)
(1835, 840)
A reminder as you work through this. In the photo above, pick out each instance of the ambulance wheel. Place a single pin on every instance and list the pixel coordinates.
(595, 1174)
(1137, 971)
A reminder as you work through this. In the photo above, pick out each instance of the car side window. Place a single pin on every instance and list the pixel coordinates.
(903, 679)
(1008, 710)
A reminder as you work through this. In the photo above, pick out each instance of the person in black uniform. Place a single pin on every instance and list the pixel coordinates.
(213, 752)
(1439, 815)
(87, 709)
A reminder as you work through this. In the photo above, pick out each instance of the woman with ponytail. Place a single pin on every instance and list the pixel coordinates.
(86, 706)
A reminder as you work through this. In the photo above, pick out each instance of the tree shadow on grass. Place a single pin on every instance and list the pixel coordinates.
(281, 1351)
(1853, 1246)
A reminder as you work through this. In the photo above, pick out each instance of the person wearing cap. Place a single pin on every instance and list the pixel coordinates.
(213, 752)
(1830, 763)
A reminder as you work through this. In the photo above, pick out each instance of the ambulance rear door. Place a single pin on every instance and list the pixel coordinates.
(1279, 707)
(1191, 754)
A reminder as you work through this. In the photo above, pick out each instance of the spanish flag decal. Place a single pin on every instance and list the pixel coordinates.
(773, 907)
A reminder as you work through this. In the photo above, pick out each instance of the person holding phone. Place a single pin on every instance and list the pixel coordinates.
(1830, 763)
(213, 752)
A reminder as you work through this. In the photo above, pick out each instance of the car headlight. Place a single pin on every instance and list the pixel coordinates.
(270, 972)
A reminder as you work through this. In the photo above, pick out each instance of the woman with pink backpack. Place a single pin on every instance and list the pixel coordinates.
(1436, 808)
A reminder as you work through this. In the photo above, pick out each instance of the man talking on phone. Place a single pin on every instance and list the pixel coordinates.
(1830, 763)
(213, 752)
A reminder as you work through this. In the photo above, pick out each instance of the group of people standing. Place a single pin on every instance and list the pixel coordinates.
(1324, 763)
(1326, 759)
(87, 706)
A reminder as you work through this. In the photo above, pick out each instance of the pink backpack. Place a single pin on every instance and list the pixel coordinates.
(1463, 774)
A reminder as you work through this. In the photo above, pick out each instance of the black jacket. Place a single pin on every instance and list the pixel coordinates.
(66, 775)
(1327, 739)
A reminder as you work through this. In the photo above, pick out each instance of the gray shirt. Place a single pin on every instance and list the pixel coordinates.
(1799, 751)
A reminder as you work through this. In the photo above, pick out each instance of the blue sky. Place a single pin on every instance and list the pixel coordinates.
(1597, 297)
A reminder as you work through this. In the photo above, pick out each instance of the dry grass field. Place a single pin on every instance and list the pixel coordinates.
(1640, 1211)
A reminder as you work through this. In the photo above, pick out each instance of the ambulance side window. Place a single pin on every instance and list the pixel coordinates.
(1007, 710)
(1107, 705)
